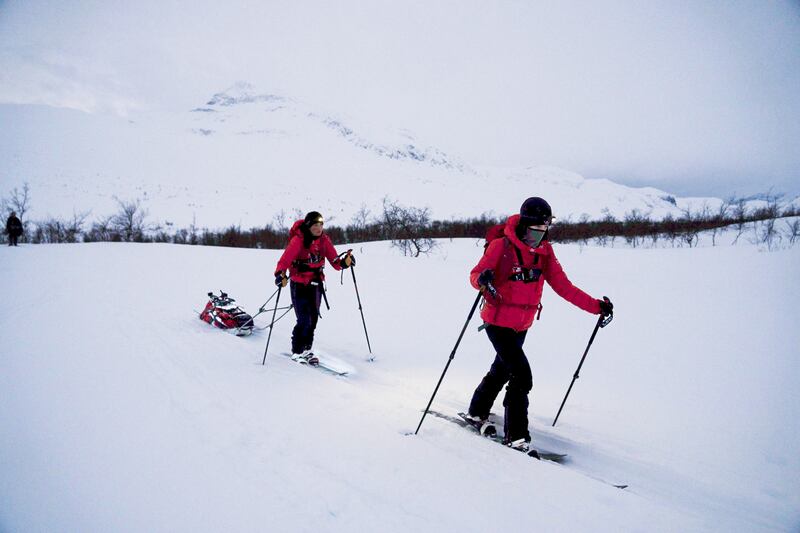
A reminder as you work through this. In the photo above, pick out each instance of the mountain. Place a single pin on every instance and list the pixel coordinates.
(244, 157)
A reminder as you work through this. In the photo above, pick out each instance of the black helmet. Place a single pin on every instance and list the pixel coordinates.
(312, 218)
(534, 212)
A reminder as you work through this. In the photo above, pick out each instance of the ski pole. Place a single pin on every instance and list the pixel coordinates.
(274, 312)
(324, 295)
(602, 322)
(260, 310)
(288, 308)
(360, 310)
(452, 355)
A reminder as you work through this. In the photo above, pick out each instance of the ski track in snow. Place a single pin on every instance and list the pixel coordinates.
(124, 412)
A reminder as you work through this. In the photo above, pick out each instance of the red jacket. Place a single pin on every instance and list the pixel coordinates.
(517, 301)
(299, 259)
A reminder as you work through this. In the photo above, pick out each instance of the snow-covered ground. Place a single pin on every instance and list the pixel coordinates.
(121, 411)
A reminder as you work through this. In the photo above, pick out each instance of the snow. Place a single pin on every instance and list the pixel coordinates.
(121, 411)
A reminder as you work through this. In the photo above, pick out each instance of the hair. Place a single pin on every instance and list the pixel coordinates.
(312, 218)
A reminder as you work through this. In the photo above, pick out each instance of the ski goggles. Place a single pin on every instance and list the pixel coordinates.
(537, 220)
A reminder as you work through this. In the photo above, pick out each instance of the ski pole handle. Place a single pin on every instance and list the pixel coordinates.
(492, 290)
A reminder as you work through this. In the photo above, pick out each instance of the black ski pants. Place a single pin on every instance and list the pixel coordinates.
(510, 366)
(306, 299)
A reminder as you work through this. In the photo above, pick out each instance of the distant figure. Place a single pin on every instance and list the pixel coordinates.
(305, 257)
(13, 228)
(511, 275)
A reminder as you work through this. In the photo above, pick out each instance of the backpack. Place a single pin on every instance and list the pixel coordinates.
(494, 232)
(221, 311)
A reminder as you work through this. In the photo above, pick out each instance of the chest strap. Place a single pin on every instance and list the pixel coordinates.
(525, 275)
(304, 265)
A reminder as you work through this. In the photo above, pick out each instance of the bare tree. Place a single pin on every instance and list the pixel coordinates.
(73, 228)
(583, 238)
(670, 228)
(407, 227)
(54, 230)
(129, 222)
(191, 236)
(47, 231)
(19, 201)
(357, 230)
(101, 231)
(607, 223)
(361, 217)
(692, 226)
(768, 215)
(279, 222)
(768, 234)
(633, 227)
(739, 217)
(793, 230)
(719, 218)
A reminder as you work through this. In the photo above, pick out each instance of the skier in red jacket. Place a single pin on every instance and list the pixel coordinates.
(305, 257)
(511, 274)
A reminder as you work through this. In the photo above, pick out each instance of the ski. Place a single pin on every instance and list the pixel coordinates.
(489, 429)
(545, 455)
(492, 435)
(322, 365)
(464, 422)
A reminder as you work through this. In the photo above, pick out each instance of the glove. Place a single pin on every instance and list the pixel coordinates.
(485, 278)
(348, 261)
(280, 279)
(606, 307)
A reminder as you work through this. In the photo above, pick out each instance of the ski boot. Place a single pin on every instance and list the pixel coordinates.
(306, 357)
(483, 425)
(524, 446)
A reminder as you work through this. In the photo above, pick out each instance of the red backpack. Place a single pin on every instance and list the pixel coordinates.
(494, 232)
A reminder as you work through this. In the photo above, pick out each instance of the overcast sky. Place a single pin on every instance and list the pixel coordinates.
(695, 97)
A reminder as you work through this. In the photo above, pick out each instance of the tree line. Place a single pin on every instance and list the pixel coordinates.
(413, 231)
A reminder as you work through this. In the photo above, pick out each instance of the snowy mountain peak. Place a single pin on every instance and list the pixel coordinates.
(299, 119)
(242, 93)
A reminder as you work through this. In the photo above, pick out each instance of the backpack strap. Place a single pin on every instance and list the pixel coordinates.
(519, 255)
(521, 273)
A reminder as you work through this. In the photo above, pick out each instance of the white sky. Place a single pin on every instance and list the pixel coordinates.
(694, 97)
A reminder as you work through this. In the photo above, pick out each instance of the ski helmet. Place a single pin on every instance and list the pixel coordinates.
(535, 211)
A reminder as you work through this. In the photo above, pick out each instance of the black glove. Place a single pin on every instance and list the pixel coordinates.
(606, 307)
(280, 279)
(348, 261)
(485, 278)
